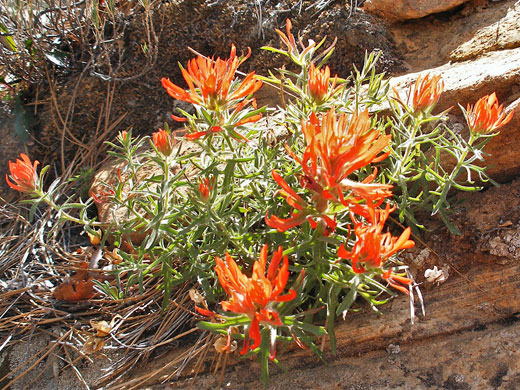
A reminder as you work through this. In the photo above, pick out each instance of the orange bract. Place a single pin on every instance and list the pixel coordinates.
(253, 296)
(318, 84)
(205, 188)
(210, 82)
(337, 147)
(24, 174)
(425, 92)
(289, 38)
(373, 247)
(486, 115)
(163, 141)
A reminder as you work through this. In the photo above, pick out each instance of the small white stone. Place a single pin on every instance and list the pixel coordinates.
(435, 275)
(393, 349)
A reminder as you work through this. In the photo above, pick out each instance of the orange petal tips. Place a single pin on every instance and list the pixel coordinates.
(486, 116)
(254, 296)
(24, 175)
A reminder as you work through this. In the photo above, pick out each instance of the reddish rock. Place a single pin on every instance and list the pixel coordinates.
(409, 9)
(502, 34)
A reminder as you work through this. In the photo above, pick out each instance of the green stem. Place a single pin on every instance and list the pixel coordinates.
(65, 215)
(411, 144)
(454, 173)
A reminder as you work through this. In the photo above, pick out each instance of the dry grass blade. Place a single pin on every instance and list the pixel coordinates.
(34, 258)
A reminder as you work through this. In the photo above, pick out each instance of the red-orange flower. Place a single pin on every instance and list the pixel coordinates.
(211, 83)
(254, 296)
(318, 84)
(397, 281)
(290, 42)
(486, 115)
(163, 141)
(425, 92)
(304, 211)
(102, 196)
(338, 146)
(205, 188)
(373, 247)
(24, 175)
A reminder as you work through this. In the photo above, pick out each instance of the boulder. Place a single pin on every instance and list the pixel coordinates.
(409, 9)
(464, 83)
(503, 34)
(435, 40)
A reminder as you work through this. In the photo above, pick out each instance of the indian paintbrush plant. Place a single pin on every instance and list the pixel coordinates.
(223, 198)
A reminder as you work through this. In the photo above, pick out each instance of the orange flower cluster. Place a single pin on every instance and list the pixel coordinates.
(255, 295)
(339, 146)
(486, 115)
(205, 188)
(24, 175)
(163, 141)
(214, 80)
(319, 86)
(373, 247)
(212, 85)
(336, 147)
(426, 92)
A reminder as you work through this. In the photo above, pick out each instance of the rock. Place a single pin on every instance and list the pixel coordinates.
(465, 82)
(503, 34)
(409, 9)
(503, 149)
(431, 41)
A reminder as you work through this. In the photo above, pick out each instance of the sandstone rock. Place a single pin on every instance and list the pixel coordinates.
(466, 82)
(409, 9)
(503, 34)
(431, 41)
(503, 149)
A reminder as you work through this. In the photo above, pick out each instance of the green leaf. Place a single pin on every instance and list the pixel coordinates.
(314, 329)
(451, 227)
(351, 296)
(230, 321)
(268, 48)
(7, 40)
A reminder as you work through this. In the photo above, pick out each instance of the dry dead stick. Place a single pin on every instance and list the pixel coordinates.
(222, 371)
(70, 363)
(202, 358)
(138, 383)
(65, 127)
